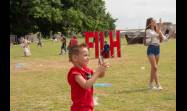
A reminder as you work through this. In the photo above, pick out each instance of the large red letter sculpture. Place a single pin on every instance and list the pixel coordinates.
(100, 38)
(115, 44)
(89, 44)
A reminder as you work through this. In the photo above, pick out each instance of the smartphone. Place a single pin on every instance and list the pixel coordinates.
(101, 60)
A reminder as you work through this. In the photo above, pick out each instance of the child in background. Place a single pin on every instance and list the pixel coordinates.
(106, 50)
(81, 78)
(25, 45)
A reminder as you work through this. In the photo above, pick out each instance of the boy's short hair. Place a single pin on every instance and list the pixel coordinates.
(75, 50)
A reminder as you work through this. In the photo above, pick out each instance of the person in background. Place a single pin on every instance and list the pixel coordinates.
(25, 45)
(39, 39)
(63, 46)
(106, 50)
(153, 32)
(73, 41)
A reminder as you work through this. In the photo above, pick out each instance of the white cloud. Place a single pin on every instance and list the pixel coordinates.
(133, 13)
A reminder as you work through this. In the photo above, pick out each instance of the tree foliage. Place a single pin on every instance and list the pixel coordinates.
(66, 16)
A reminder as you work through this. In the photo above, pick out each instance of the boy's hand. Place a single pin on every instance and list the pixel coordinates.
(102, 62)
(101, 69)
(105, 64)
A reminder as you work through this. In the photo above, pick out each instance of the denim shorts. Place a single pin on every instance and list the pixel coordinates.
(153, 50)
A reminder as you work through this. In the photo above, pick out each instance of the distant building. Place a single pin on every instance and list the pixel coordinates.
(14, 39)
(171, 27)
(135, 36)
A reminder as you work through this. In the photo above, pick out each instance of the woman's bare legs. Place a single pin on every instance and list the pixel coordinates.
(153, 61)
(156, 75)
(154, 67)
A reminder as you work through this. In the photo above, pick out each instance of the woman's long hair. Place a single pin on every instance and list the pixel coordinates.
(148, 26)
(148, 22)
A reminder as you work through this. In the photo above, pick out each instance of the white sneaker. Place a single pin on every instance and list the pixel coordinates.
(151, 86)
(159, 87)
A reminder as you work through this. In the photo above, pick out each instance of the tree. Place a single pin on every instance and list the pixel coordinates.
(66, 16)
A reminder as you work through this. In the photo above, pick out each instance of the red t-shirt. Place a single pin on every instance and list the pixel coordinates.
(82, 98)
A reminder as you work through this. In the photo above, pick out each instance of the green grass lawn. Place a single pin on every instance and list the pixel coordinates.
(41, 84)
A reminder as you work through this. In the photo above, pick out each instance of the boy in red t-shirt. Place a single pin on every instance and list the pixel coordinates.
(81, 78)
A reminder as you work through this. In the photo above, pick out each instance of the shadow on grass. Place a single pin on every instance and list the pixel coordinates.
(134, 90)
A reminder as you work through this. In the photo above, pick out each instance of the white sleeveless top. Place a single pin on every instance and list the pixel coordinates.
(152, 37)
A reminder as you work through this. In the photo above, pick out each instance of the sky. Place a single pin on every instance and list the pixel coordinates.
(133, 13)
